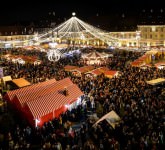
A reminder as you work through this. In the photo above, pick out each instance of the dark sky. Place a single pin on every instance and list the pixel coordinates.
(30, 10)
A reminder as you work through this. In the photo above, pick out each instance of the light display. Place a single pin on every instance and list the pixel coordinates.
(54, 55)
(71, 29)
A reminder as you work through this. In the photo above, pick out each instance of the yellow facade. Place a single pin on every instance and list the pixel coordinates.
(152, 35)
(126, 39)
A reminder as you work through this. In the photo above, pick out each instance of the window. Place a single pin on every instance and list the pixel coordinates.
(150, 36)
(153, 29)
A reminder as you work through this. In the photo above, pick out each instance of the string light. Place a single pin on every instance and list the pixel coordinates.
(72, 29)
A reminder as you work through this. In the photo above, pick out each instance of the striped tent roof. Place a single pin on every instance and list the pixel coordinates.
(10, 95)
(52, 101)
(32, 93)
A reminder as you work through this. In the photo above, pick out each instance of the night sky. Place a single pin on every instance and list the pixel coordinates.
(14, 11)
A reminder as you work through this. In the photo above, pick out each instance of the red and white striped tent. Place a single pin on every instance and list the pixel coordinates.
(10, 95)
(41, 104)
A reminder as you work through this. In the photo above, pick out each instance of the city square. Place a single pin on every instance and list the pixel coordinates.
(74, 85)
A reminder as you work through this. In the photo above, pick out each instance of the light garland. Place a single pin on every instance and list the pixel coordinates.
(72, 29)
(54, 54)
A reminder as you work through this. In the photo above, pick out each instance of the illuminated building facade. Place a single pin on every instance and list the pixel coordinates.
(152, 35)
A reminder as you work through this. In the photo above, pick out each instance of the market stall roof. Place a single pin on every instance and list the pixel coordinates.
(138, 63)
(98, 71)
(21, 82)
(48, 103)
(69, 67)
(111, 73)
(156, 81)
(35, 93)
(6, 78)
(84, 69)
(10, 94)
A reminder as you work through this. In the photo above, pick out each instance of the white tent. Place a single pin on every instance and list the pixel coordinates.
(95, 57)
(112, 118)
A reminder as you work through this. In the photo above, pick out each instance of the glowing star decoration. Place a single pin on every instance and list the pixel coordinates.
(53, 55)
(73, 14)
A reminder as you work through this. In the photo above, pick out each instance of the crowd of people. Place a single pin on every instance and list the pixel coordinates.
(140, 106)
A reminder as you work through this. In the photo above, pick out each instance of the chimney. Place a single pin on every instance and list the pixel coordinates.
(65, 92)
